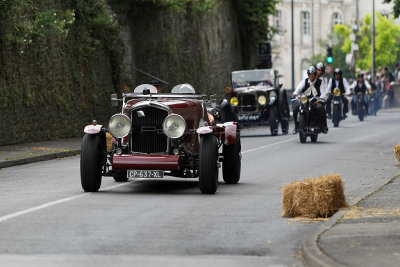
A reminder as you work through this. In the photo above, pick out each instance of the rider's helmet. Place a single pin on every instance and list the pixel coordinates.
(360, 75)
(311, 70)
(320, 66)
(338, 71)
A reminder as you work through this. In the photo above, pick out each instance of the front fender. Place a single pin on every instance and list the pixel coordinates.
(93, 128)
(204, 130)
(227, 132)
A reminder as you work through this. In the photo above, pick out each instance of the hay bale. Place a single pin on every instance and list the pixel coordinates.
(396, 151)
(313, 198)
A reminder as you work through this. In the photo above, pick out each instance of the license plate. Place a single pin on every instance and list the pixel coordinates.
(244, 117)
(144, 174)
(335, 102)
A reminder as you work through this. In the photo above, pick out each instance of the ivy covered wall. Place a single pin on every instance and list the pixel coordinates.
(59, 61)
(194, 42)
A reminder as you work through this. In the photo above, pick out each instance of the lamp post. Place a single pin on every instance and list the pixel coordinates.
(373, 42)
(292, 45)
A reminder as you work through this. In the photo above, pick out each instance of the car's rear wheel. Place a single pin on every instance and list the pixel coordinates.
(273, 121)
(91, 163)
(208, 165)
(232, 162)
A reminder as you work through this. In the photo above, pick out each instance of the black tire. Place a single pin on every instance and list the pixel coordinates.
(301, 130)
(314, 138)
(336, 115)
(91, 163)
(120, 177)
(208, 166)
(284, 111)
(232, 162)
(360, 112)
(273, 121)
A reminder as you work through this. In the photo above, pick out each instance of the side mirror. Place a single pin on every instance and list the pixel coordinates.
(114, 100)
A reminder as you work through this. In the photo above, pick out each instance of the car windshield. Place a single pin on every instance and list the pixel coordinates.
(246, 78)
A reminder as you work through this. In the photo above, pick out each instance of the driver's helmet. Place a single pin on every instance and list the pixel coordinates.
(320, 66)
(338, 71)
(360, 75)
(311, 70)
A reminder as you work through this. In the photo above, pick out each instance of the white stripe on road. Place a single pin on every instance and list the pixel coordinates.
(49, 204)
(266, 146)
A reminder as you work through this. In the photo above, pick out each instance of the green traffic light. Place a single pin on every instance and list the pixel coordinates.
(329, 60)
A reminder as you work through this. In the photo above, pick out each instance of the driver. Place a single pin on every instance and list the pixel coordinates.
(338, 82)
(312, 87)
(266, 81)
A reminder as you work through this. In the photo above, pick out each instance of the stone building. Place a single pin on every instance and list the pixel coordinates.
(313, 21)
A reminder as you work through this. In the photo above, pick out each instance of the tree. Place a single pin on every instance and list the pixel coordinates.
(386, 39)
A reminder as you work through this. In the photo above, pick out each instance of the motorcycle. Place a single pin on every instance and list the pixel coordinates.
(337, 107)
(361, 112)
(308, 123)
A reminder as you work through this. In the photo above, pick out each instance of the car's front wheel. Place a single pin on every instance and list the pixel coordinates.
(208, 165)
(91, 163)
(232, 162)
(273, 121)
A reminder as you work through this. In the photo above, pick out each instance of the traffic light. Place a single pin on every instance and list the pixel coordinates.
(329, 56)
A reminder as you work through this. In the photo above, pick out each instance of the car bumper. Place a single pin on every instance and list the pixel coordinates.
(145, 162)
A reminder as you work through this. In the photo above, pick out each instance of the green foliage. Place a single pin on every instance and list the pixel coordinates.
(176, 5)
(253, 19)
(56, 59)
(387, 37)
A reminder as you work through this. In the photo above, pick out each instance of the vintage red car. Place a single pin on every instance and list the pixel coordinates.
(158, 135)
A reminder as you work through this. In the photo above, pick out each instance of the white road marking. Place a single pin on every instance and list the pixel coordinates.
(49, 204)
(266, 146)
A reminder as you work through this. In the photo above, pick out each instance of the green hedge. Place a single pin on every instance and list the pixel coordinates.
(59, 62)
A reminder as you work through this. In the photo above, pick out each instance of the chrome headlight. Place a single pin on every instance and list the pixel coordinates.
(303, 99)
(174, 126)
(119, 125)
(262, 100)
(336, 91)
(234, 101)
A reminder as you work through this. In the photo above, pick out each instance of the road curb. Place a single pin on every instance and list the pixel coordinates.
(33, 159)
(313, 255)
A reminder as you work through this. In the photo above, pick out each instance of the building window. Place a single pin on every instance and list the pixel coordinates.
(337, 18)
(305, 23)
(278, 19)
(305, 28)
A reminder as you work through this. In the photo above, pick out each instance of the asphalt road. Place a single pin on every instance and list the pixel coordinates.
(46, 219)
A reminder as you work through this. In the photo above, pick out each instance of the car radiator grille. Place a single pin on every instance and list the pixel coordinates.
(248, 102)
(147, 131)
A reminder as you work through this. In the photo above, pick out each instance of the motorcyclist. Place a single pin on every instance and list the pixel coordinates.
(360, 85)
(320, 67)
(320, 70)
(338, 82)
(312, 86)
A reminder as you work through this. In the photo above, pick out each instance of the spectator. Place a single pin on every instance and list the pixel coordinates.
(389, 75)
